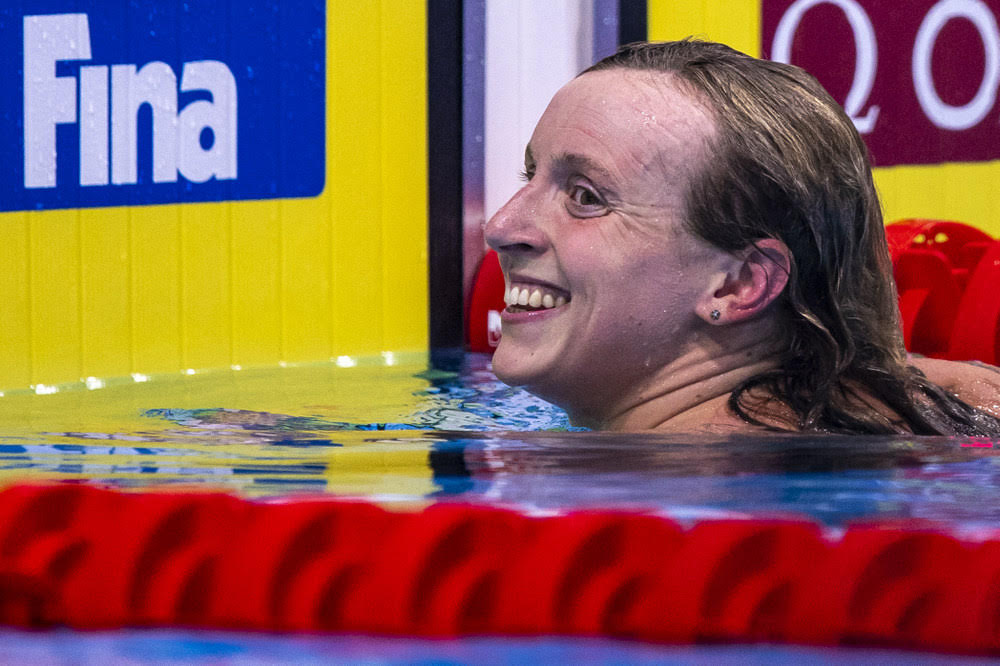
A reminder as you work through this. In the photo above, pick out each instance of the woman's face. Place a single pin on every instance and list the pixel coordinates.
(593, 246)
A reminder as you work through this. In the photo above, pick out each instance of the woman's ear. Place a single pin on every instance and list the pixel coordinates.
(756, 277)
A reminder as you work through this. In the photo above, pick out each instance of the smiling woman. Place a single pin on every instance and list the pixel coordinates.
(699, 245)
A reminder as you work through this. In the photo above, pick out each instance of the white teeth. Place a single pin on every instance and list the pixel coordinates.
(536, 298)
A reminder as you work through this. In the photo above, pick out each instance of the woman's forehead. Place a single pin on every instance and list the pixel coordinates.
(632, 118)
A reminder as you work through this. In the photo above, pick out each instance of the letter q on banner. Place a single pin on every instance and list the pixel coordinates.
(927, 70)
(866, 54)
(939, 112)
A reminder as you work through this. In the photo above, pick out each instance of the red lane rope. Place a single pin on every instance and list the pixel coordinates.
(88, 558)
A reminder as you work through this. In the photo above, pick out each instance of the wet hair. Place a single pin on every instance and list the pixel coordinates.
(787, 163)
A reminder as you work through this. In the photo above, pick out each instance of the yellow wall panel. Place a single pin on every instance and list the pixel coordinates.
(918, 190)
(55, 295)
(971, 195)
(357, 145)
(163, 288)
(155, 272)
(404, 193)
(106, 323)
(735, 23)
(963, 192)
(15, 296)
(305, 282)
(676, 20)
(206, 332)
(256, 283)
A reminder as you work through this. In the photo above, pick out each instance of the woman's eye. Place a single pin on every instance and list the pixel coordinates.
(525, 174)
(584, 201)
(584, 196)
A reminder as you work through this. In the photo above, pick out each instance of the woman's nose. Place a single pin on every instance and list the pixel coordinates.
(516, 228)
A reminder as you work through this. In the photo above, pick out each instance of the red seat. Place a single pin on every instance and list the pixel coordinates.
(947, 237)
(976, 334)
(967, 260)
(899, 235)
(928, 300)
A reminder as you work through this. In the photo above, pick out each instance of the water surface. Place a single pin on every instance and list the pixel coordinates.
(404, 429)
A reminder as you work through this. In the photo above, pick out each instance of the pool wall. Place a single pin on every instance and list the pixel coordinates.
(311, 242)
(306, 254)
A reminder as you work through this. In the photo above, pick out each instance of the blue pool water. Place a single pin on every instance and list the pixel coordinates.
(168, 647)
(412, 432)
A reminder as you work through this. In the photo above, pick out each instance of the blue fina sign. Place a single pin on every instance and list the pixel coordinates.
(153, 102)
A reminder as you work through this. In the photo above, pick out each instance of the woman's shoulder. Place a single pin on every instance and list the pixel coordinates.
(972, 381)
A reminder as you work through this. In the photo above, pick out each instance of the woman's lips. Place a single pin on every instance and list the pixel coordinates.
(518, 316)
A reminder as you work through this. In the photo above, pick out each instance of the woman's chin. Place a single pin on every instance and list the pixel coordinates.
(509, 365)
(516, 366)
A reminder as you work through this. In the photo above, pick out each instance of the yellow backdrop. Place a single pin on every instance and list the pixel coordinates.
(105, 292)
(963, 192)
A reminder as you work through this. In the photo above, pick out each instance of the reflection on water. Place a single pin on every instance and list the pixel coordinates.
(414, 432)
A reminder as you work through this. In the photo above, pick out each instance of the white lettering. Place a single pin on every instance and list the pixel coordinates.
(939, 112)
(49, 99)
(199, 142)
(94, 125)
(865, 54)
(196, 163)
(156, 85)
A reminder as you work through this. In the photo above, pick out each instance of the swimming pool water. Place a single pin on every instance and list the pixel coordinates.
(419, 432)
(415, 431)
(172, 647)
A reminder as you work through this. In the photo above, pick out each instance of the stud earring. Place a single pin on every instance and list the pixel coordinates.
(715, 315)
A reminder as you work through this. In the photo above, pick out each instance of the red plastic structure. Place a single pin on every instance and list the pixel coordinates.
(976, 333)
(947, 275)
(78, 556)
(486, 304)
(928, 300)
(947, 237)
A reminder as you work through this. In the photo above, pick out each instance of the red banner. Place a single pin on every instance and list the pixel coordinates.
(919, 78)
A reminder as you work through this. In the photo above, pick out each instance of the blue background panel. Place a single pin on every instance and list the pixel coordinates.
(274, 50)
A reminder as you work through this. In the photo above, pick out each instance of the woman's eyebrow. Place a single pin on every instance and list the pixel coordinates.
(575, 162)
(570, 161)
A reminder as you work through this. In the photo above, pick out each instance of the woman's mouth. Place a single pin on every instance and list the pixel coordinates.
(530, 298)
